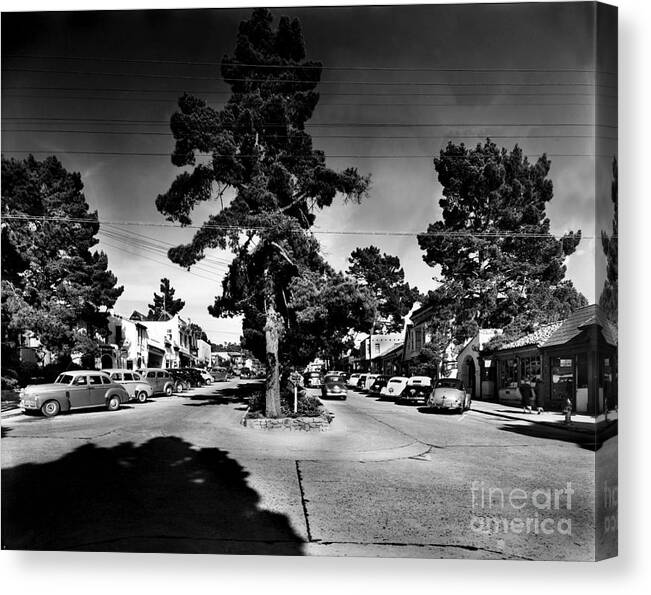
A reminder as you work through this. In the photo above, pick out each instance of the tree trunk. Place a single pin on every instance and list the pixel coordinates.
(272, 387)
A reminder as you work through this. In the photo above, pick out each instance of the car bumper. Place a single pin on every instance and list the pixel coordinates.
(28, 404)
(445, 405)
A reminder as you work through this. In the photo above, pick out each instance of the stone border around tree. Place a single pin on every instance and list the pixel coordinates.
(291, 424)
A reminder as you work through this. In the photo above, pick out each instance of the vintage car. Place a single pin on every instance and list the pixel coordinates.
(313, 380)
(394, 387)
(334, 387)
(79, 389)
(365, 385)
(194, 377)
(160, 380)
(378, 384)
(138, 389)
(181, 379)
(219, 374)
(417, 390)
(353, 380)
(449, 393)
(207, 376)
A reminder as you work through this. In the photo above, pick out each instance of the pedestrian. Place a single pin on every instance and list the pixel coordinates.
(525, 394)
(537, 389)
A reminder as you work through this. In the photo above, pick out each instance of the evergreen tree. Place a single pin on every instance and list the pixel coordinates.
(385, 279)
(263, 162)
(499, 263)
(54, 284)
(165, 302)
(608, 298)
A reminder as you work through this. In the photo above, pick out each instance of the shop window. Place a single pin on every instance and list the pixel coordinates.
(530, 368)
(509, 373)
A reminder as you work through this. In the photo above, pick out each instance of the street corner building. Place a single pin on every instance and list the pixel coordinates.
(384, 318)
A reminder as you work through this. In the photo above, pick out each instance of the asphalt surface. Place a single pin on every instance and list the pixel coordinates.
(180, 474)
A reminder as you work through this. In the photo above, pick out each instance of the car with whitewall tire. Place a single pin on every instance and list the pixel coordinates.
(79, 389)
(449, 394)
(161, 381)
(138, 389)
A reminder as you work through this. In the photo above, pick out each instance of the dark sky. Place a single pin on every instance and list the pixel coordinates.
(541, 59)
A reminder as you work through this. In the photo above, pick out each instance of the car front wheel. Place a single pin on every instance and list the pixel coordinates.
(168, 390)
(142, 396)
(208, 382)
(113, 403)
(50, 409)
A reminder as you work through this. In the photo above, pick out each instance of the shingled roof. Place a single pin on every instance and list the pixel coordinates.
(535, 339)
(559, 333)
(576, 322)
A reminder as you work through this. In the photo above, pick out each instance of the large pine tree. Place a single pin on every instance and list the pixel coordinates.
(164, 302)
(54, 283)
(609, 243)
(500, 265)
(262, 162)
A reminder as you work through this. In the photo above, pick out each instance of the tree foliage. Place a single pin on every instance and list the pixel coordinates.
(54, 284)
(256, 154)
(164, 303)
(608, 298)
(385, 279)
(499, 262)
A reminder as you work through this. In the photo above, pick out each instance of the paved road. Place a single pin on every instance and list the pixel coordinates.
(180, 474)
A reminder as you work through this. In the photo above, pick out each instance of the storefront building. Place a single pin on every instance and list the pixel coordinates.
(574, 359)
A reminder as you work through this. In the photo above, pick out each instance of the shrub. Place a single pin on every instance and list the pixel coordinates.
(307, 406)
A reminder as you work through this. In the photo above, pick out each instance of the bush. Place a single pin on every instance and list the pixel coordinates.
(307, 406)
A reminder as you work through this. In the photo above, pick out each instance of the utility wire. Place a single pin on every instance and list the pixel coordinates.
(330, 124)
(333, 136)
(186, 62)
(292, 81)
(148, 154)
(458, 234)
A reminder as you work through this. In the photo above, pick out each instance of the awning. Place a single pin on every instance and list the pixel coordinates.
(156, 350)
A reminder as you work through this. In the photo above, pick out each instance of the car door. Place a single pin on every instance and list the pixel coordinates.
(96, 389)
(78, 392)
(151, 378)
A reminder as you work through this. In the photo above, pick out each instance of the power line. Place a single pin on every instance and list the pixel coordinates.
(331, 124)
(159, 252)
(321, 93)
(187, 62)
(297, 81)
(333, 136)
(458, 234)
(147, 154)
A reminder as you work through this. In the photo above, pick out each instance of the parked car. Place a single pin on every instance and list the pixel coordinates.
(339, 373)
(77, 389)
(245, 372)
(161, 381)
(378, 384)
(368, 381)
(361, 382)
(449, 393)
(207, 376)
(194, 377)
(394, 387)
(219, 374)
(353, 380)
(181, 379)
(138, 389)
(334, 387)
(313, 380)
(417, 390)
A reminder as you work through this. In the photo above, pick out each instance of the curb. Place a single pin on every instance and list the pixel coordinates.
(560, 425)
(11, 413)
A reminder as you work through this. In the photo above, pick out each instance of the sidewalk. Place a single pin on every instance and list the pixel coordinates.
(579, 423)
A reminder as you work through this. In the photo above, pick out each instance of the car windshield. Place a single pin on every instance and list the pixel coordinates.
(397, 380)
(449, 383)
(333, 378)
(64, 379)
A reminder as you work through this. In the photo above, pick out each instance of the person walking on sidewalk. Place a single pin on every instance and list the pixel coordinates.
(526, 395)
(536, 387)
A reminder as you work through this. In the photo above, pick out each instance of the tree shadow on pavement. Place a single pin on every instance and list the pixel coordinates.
(162, 496)
(586, 440)
(225, 396)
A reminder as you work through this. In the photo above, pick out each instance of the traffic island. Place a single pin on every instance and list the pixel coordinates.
(308, 414)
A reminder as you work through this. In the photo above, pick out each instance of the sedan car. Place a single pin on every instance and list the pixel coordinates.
(180, 378)
(219, 374)
(193, 376)
(394, 387)
(160, 380)
(334, 387)
(207, 376)
(352, 381)
(369, 379)
(417, 390)
(313, 380)
(73, 390)
(378, 384)
(449, 393)
(138, 389)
